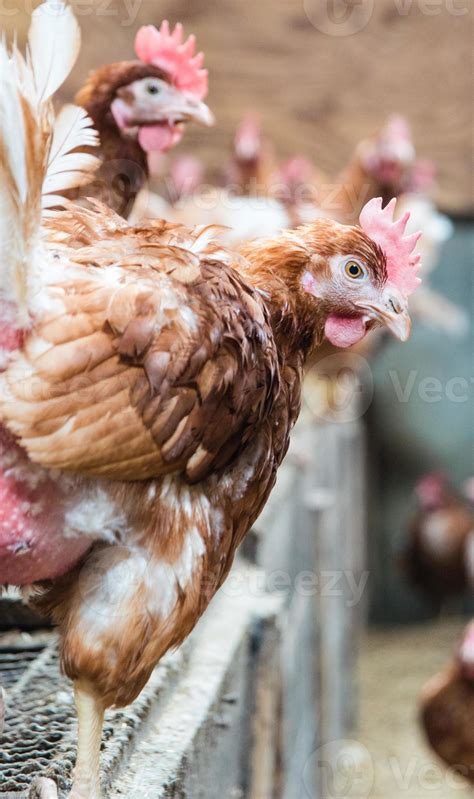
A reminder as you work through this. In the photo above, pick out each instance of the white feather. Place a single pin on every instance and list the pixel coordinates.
(68, 168)
(11, 116)
(54, 42)
(37, 155)
(13, 180)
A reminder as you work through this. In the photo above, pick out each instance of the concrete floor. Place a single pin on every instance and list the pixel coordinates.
(395, 762)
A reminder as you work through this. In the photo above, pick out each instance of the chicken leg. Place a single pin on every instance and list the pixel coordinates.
(90, 715)
(86, 780)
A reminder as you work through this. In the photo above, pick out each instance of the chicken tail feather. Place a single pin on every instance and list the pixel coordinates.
(39, 155)
(54, 41)
(22, 158)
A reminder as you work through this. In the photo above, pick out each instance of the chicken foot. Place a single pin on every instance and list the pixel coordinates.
(86, 779)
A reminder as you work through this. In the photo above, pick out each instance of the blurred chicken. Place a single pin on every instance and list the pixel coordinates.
(382, 165)
(242, 218)
(441, 538)
(294, 185)
(447, 710)
(149, 386)
(244, 206)
(253, 160)
(141, 108)
(186, 175)
(260, 198)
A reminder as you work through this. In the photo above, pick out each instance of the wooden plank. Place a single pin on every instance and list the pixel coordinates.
(261, 772)
(342, 566)
(286, 547)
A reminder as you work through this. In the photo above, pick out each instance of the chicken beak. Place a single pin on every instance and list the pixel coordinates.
(391, 312)
(189, 109)
(399, 323)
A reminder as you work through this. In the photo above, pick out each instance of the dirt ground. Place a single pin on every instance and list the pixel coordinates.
(393, 668)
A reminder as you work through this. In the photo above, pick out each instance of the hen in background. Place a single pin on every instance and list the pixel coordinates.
(244, 204)
(150, 382)
(382, 165)
(141, 108)
(253, 160)
(447, 710)
(438, 558)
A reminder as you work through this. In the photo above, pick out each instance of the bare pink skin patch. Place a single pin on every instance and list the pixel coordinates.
(309, 283)
(341, 331)
(32, 510)
(344, 331)
(10, 339)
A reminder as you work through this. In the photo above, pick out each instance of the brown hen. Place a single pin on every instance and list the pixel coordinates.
(149, 385)
(140, 110)
(438, 557)
(447, 710)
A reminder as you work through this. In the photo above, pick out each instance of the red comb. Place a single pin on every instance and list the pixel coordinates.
(397, 128)
(168, 51)
(402, 265)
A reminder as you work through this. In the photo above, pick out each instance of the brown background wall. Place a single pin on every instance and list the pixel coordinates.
(317, 93)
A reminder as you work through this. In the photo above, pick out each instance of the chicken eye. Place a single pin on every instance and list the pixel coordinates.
(153, 88)
(354, 270)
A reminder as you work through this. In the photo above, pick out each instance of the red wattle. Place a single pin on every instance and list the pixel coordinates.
(344, 331)
(158, 138)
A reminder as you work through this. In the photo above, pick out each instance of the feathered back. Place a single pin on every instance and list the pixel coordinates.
(36, 151)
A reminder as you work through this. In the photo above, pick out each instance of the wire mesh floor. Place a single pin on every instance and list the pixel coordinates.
(40, 723)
